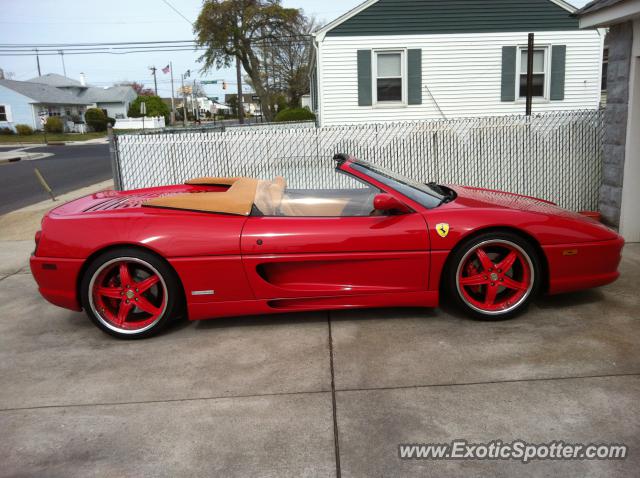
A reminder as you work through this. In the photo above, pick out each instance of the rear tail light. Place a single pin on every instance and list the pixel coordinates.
(37, 240)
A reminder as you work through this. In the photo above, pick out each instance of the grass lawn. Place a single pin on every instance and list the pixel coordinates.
(38, 138)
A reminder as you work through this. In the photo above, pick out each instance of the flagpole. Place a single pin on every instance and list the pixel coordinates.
(173, 101)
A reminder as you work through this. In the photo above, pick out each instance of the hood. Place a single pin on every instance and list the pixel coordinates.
(478, 198)
(489, 198)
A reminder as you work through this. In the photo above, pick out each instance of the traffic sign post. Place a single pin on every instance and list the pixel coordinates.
(143, 112)
(43, 122)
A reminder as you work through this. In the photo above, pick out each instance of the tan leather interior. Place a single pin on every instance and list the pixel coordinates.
(206, 181)
(269, 195)
(237, 200)
(313, 207)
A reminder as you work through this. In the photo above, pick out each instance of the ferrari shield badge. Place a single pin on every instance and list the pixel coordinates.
(442, 229)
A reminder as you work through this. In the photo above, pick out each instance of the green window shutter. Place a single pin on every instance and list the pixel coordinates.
(364, 78)
(558, 61)
(414, 73)
(508, 89)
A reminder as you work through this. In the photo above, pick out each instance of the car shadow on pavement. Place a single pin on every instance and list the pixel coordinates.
(445, 310)
(570, 299)
(260, 320)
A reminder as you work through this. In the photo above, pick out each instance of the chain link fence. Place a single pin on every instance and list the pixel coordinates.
(552, 156)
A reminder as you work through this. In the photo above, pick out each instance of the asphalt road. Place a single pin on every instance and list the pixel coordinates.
(70, 168)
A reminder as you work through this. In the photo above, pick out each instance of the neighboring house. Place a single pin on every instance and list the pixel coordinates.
(114, 100)
(620, 194)
(399, 60)
(21, 102)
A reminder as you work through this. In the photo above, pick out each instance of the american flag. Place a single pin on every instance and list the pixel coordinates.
(166, 69)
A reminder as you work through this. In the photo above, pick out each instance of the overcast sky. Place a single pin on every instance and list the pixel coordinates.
(81, 21)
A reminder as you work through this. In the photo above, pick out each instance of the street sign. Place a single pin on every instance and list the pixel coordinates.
(44, 116)
(209, 82)
(143, 108)
(255, 98)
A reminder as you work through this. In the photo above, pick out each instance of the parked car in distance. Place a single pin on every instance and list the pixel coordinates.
(216, 247)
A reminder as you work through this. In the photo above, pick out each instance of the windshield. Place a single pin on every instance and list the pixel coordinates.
(421, 193)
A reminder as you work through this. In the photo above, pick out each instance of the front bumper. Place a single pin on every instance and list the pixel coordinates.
(583, 266)
(57, 280)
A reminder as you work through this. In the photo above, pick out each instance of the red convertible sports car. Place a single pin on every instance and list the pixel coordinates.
(216, 247)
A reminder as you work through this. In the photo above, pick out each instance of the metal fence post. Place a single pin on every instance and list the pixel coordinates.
(115, 159)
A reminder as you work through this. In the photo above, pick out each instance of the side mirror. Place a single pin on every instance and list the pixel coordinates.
(387, 203)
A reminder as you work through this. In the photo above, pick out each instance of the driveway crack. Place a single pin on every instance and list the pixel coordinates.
(336, 439)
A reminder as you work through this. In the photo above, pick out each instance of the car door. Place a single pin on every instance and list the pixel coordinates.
(298, 257)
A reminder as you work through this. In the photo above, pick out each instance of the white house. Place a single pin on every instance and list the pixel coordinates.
(400, 60)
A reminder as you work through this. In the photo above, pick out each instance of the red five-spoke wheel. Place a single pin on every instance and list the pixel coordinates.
(495, 275)
(129, 293)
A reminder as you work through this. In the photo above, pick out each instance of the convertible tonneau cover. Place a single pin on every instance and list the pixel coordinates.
(237, 200)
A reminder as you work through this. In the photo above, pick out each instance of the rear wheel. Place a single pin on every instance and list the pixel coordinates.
(129, 293)
(494, 276)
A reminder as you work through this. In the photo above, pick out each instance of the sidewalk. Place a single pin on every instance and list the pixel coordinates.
(21, 154)
(26, 145)
(22, 224)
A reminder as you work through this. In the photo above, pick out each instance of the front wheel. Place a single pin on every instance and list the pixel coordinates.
(129, 293)
(494, 276)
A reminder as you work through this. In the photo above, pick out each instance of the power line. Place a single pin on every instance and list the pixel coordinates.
(45, 45)
(178, 12)
(113, 44)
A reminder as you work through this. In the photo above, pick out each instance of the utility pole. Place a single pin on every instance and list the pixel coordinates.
(173, 101)
(184, 103)
(64, 69)
(38, 62)
(240, 105)
(155, 81)
(196, 104)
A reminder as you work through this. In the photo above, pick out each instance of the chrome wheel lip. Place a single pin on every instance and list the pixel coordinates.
(103, 320)
(511, 307)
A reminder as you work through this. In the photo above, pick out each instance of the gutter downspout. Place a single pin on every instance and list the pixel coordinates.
(315, 60)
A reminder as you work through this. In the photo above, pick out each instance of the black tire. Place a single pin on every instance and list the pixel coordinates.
(167, 292)
(463, 296)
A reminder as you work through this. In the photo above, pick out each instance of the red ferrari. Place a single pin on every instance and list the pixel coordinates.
(216, 247)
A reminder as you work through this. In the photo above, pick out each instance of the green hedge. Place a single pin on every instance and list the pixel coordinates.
(24, 129)
(54, 125)
(294, 114)
(96, 118)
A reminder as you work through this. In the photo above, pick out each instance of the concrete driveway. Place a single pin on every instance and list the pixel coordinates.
(264, 396)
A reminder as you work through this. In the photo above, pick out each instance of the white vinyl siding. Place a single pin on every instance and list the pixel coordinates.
(461, 72)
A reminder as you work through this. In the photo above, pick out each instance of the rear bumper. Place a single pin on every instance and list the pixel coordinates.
(583, 266)
(57, 280)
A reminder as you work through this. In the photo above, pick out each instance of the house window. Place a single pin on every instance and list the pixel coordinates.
(540, 68)
(389, 77)
(3, 113)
